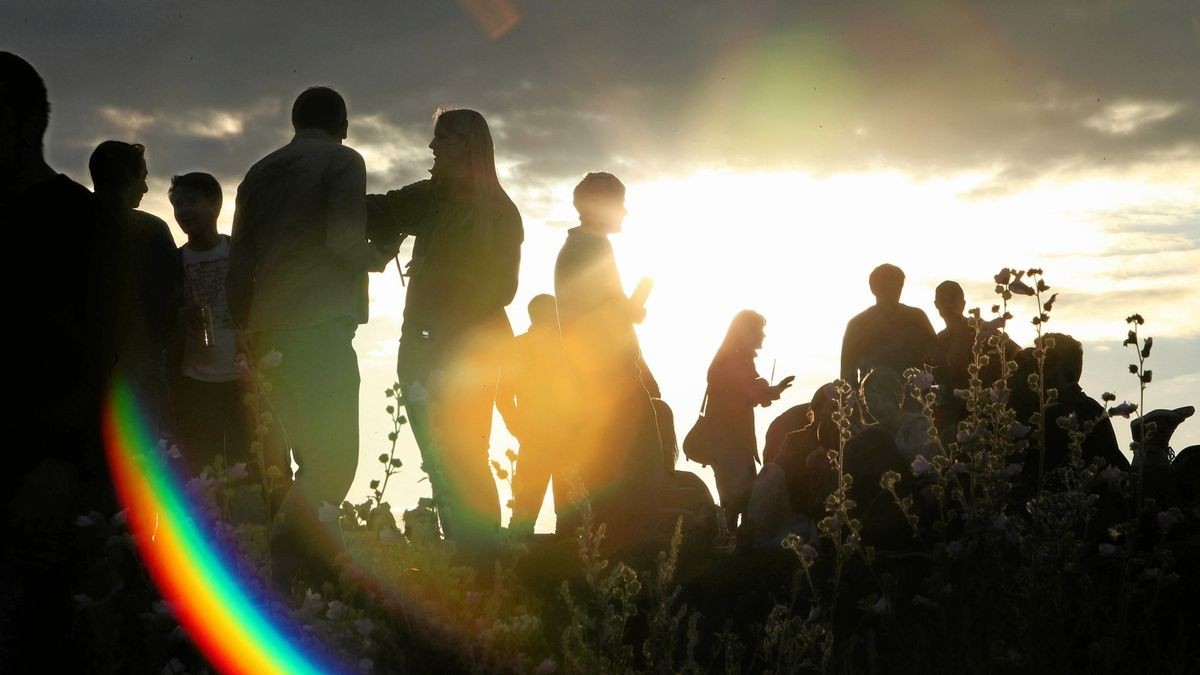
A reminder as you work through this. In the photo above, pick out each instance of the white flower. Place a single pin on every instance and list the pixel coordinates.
(1018, 430)
(1110, 474)
(238, 471)
(545, 667)
(1013, 469)
(174, 453)
(364, 626)
(335, 611)
(921, 466)
(328, 513)
(270, 360)
(808, 551)
(958, 467)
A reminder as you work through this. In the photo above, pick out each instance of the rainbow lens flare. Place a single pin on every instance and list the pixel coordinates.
(222, 616)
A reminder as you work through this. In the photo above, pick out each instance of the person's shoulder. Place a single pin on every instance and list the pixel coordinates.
(148, 220)
(862, 316)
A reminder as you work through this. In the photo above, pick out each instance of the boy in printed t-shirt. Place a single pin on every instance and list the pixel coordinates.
(210, 416)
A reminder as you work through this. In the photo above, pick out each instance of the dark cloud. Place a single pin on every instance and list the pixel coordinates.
(1026, 88)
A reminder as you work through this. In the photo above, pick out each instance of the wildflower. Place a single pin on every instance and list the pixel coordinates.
(270, 360)
(1013, 469)
(364, 626)
(921, 466)
(238, 471)
(1000, 522)
(1165, 520)
(958, 468)
(1124, 409)
(84, 521)
(880, 607)
(511, 454)
(366, 666)
(1151, 573)
(1110, 474)
(83, 600)
(1108, 397)
(1020, 287)
(1149, 342)
(923, 380)
(241, 365)
(174, 453)
(808, 551)
(998, 394)
(962, 393)
(1003, 277)
(335, 611)
(1107, 550)
(922, 601)
(546, 667)
(120, 517)
(174, 666)
(328, 513)
(1018, 430)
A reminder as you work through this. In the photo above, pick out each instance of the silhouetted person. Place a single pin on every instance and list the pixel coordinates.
(797, 418)
(456, 333)
(888, 334)
(209, 415)
(1155, 457)
(734, 390)
(955, 345)
(297, 281)
(619, 457)
(530, 397)
(151, 287)
(1063, 368)
(882, 394)
(63, 349)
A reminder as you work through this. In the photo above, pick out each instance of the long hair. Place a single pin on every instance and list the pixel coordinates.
(481, 150)
(744, 322)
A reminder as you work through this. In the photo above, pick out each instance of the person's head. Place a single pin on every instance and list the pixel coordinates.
(746, 332)
(196, 198)
(24, 115)
(600, 200)
(949, 300)
(543, 311)
(824, 400)
(463, 148)
(119, 172)
(1064, 359)
(886, 283)
(320, 108)
(882, 393)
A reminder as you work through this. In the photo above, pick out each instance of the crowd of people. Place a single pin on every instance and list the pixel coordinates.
(124, 303)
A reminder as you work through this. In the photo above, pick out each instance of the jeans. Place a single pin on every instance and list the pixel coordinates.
(314, 392)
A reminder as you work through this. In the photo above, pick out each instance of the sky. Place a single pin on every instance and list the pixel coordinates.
(774, 152)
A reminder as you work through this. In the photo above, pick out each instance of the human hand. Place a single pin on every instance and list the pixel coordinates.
(783, 385)
(637, 313)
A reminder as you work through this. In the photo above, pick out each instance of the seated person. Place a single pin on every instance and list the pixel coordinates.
(955, 351)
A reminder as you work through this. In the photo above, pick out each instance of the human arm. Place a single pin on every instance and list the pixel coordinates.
(346, 214)
(243, 258)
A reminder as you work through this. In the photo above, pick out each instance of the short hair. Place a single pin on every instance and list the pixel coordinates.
(115, 163)
(201, 182)
(949, 290)
(319, 108)
(23, 91)
(542, 299)
(598, 184)
(1064, 359)
(886, 276)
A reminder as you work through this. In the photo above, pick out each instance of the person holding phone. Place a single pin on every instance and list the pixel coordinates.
(734, 389)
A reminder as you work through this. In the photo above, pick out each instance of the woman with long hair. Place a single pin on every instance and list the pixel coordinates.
(462, 275)
(734, 389)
